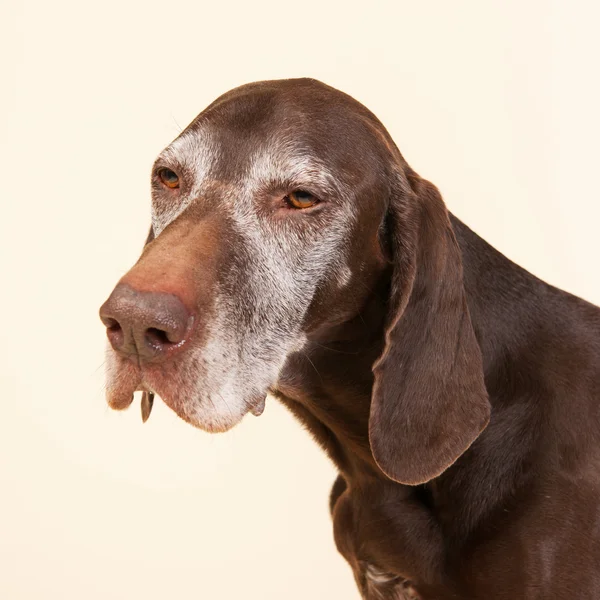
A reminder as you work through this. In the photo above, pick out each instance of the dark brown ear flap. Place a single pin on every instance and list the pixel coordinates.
(429, 400)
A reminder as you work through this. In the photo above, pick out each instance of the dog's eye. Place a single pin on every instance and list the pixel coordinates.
(301, 199)
(169, 178)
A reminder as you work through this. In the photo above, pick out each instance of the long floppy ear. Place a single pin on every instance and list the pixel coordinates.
(429, 400)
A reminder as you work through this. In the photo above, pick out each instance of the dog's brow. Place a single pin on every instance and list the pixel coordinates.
(282, 166)
(196, 151)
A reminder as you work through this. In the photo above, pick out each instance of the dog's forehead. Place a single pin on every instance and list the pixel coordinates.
(274, 130)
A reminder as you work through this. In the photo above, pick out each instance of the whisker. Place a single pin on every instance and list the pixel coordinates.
(176, 123)
(226, 404)
(102, 365)
(335, 349)
(313, 366)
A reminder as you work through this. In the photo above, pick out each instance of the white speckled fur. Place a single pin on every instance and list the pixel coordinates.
(239, 362)
(196, 152)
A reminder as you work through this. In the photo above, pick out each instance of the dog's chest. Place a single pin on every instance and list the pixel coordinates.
(389, 543)
(384, 586)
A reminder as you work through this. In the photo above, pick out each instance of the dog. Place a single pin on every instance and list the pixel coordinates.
(293, 251)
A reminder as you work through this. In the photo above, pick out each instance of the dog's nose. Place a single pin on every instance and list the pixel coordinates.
(145, 325)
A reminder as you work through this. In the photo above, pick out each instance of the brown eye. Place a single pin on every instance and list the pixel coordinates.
(301, 199)
(169, 178)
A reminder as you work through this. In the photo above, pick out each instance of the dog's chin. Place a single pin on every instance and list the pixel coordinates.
(203, 415)
(213, 412)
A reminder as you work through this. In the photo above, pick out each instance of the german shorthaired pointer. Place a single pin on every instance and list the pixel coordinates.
(293, 251)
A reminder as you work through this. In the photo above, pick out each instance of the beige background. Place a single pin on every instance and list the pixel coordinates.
(496, 102)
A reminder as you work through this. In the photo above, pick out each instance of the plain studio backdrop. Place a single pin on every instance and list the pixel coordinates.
(495, 102)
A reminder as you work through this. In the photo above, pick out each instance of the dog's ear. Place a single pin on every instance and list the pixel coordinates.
(429, 400)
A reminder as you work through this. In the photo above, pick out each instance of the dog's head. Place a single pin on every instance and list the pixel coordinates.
(273, 215)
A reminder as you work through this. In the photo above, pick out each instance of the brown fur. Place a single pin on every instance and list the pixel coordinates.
(457, 394)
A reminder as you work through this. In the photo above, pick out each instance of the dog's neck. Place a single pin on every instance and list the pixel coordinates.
(328, 384)
(333, 396)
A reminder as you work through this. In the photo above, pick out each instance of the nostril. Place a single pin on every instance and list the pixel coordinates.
(157, 337)
(114, 331)
(112, 325)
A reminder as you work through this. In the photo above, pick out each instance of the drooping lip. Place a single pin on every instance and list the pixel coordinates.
(123, 381)
(127, 378)
(258, 406)
(120, 397)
